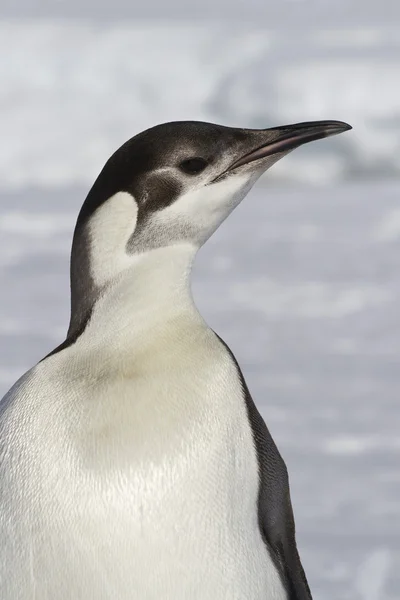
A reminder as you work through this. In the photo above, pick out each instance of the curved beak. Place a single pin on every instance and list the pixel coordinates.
(279, 140)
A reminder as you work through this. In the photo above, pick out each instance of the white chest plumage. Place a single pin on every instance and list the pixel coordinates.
(140, 480)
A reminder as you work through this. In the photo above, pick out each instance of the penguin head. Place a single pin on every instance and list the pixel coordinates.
(178, 181)
(164, 192)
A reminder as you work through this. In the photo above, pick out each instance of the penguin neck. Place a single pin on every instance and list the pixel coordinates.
(144, 299)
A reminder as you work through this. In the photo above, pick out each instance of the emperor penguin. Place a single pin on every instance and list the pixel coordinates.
(134, 464)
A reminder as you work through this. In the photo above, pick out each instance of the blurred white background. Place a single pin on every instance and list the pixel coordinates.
(309, 303)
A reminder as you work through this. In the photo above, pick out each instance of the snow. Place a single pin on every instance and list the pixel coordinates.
(302, 280)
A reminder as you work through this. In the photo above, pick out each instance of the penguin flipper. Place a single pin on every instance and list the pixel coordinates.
(275, 513)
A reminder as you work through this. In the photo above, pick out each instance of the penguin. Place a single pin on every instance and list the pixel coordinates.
(134, 464)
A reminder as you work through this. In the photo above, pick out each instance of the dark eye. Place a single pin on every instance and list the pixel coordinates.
(192, 166)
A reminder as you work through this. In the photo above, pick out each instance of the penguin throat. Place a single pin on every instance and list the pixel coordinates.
(152, 291)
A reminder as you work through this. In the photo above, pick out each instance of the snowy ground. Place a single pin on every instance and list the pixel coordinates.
(302, 282)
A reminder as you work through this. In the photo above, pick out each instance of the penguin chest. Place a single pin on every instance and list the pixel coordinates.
(156, 490)
(176, 445)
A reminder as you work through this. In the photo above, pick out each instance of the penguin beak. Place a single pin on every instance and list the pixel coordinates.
(288, 137)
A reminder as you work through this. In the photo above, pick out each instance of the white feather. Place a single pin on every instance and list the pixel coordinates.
(110, 228)
(201, 210)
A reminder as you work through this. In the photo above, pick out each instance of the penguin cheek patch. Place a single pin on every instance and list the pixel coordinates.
(155, 227)
(162, 190)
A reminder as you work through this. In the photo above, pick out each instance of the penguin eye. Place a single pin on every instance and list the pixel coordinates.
(192, 166)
